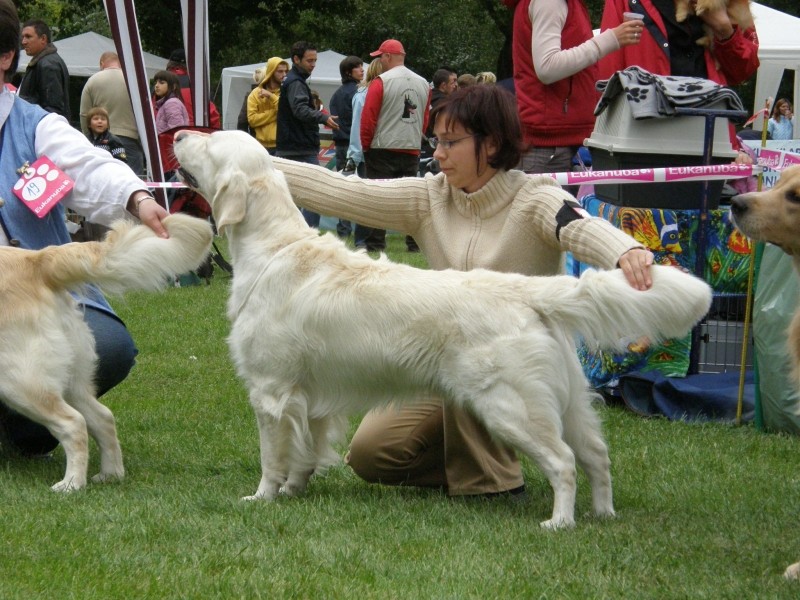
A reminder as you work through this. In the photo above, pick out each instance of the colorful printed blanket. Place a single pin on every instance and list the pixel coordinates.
(673, 237)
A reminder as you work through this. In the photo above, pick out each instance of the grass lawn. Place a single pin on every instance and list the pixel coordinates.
(704, 510)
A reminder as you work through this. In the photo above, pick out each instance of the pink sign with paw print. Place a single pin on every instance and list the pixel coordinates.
(42, 186)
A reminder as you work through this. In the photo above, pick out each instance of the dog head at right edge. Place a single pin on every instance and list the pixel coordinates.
(772, 215)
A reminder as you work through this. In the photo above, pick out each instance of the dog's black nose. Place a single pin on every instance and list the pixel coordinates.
(738, 205)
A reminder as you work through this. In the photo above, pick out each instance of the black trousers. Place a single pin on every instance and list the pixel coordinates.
(385, 164)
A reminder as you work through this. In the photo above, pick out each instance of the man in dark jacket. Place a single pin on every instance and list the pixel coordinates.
(445, 82)
(352, 71)
(298, 118)
(46, 80)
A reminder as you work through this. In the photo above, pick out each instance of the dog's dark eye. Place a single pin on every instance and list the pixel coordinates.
(793, 196)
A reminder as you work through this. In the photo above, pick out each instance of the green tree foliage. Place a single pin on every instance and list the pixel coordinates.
(457, 33)
(67, 17)
(468, 35)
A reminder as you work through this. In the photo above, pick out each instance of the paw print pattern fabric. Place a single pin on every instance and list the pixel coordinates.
(658, 96)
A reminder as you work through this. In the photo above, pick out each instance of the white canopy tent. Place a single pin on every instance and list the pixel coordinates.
(82, 53)
(779, 50)
(237, 81)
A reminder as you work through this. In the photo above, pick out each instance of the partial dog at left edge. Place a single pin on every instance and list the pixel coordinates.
(41, 325)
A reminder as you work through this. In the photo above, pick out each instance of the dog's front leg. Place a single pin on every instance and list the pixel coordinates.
(271, 431)
(682, 10)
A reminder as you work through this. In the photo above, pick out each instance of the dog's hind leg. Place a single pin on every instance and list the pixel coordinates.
(65, 424)
(69, 427)
(101, 426)
(99, 419)
(583, 434)
(314, 452)
(536, 433)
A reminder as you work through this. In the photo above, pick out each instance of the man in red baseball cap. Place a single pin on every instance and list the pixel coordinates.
(394, 116)
(389, 47)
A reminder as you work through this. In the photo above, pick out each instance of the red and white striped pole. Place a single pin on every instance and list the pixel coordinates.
(125, 31)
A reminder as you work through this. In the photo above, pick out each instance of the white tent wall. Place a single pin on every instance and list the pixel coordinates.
(779, 50)
(82, 53)
(237, 81)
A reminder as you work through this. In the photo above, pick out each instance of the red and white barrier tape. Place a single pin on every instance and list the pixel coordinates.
(770, 159)
(165, 184)
(657, 175)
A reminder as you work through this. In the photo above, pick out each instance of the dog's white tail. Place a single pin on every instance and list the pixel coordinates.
(606, 310)
(131, 256)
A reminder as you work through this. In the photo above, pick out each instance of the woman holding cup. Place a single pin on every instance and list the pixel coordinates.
(555, 54)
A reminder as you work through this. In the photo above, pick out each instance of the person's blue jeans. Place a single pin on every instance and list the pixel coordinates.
(343, 227)
(311, 218)
(116, 355)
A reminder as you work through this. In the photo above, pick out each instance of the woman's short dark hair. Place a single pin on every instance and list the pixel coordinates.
(346, 67)
(9, 33)
(490, 113)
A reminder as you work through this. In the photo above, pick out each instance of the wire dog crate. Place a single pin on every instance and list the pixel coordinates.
(721, 336)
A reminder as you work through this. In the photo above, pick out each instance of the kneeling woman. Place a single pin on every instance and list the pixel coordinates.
(478, 212)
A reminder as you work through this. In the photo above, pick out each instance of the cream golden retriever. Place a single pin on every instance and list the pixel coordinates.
(46, 348)
(319, 332)
(774, 216)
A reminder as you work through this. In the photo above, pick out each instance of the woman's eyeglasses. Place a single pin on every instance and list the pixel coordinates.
(447, 144)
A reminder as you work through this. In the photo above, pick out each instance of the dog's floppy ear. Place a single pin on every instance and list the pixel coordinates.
(230, 201)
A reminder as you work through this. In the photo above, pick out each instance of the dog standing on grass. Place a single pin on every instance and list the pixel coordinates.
(774, 216)
(320, 332)
(46, 348)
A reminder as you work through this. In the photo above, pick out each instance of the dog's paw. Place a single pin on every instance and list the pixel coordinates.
(605, 513)
(67, 485)
(792, 572)
(258, 497)
(293, 490)
(297, 483)
(268, 489)
(553, 524)
(108, 477)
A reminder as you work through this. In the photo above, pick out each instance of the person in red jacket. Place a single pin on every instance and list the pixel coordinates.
(670, 48)
(177, 65)
(555, 58)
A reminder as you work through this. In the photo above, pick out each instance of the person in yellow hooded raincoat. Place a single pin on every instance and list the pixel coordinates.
(262, 103)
